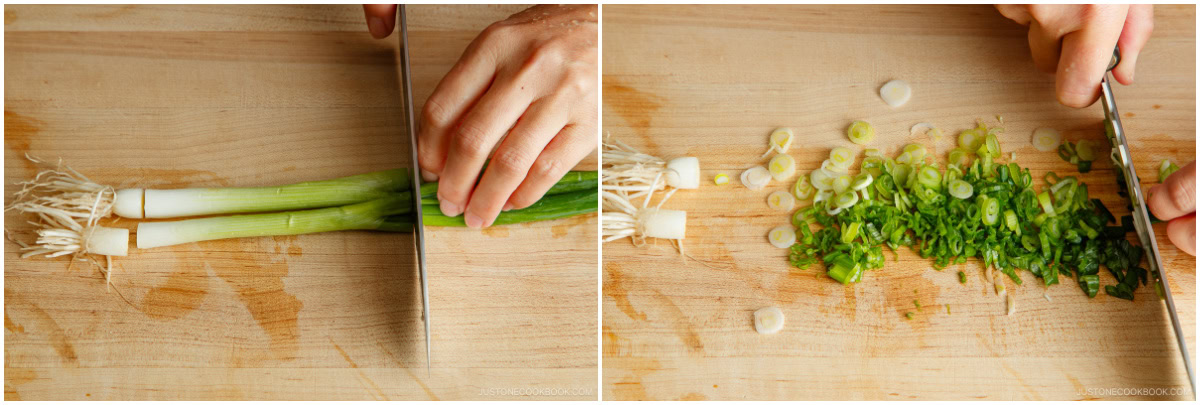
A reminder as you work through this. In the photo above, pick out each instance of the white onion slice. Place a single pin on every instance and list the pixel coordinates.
(822, 179)
(755, 178)
(895, 93)
(782, 167)
(768, 320)
(781, 200)
(1046, 139)
(782, 236)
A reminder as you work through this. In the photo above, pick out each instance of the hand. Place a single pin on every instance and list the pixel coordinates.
(532, 77)
(1175, 200)
(1077, 42)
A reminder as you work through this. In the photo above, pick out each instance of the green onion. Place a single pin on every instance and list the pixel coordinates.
(861, 181)
(959, 157)
(993, 145)
(860, 132)
(991, 210)
(1044, 200)
(970, 139)
(929, 176)
(845, 200)
(961, 189)
(1166, 169)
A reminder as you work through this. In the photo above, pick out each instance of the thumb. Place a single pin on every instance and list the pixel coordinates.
(381, 19)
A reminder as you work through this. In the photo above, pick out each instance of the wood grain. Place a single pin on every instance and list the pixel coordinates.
(175, 96)
(713, 81)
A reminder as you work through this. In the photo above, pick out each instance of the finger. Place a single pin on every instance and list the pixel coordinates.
(512, 160)
(1045, 43)
(381, 19)
(1182, 233)
(457, 92)
(1139, 24)
(1176, 197)
(571, 145)
(1086, 54)
(1019, 13)
(479, 131)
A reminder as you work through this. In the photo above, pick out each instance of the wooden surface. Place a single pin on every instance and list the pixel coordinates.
(712, 82)
(258, 95)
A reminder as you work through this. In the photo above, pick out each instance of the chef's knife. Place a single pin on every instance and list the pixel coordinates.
(414, 173)
(1122, 158)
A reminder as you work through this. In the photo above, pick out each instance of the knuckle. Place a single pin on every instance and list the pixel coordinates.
(1182, 195)
(434, 113)
(469, 141)
(551, 168)
(511, 162)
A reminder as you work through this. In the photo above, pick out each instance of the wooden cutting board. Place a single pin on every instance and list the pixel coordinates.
(712, 82)
(259, 95)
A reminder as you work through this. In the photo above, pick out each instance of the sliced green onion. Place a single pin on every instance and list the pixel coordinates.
(721, 179)
(990, 211)
(821, 179)
(959, 157)
(993, 145)
(1046, 139)
(905, 158)
(929, 176)
(832, 168)
(842, 157)
(1010, 220)
(1166, 169)
(782, 167)
(916, 150)
(970, 139)
(872, 152)
(1083, 149)
(872, 165)
(861, 132)
(841, 184)
(845, 200)
(803, 188)
(850, 232)
(861, 181)
(1044, 200)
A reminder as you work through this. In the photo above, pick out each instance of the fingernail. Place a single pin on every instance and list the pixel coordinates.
(450, 209)
(507, 207)
(377, 26)
(428, 175)
(474, 221)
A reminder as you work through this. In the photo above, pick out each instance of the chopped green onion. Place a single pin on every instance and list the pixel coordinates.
(1166, 169)
(970, 139)
(961, 189)
(959, 157)
(991, 210)
(916, 150)
(861, 132)
(845, 200)
(1083, 149)
(842, 157)
(1044, 200)
(803, 188)
(861, 181)
(929, 176)
(841, 184)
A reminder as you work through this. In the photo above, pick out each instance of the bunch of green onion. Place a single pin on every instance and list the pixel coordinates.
(380, 201)
(969, 208)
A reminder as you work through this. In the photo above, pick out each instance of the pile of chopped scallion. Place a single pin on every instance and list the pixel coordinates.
(973, 206)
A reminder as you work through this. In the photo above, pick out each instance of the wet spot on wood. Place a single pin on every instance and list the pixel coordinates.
(693, 396)
(636, 107)
(11, 326)
(180, 295)
(47, 326)
(499, 231)
(18, 130)
(10, 16)
(257, 279)
(564, 225)
(150, 177)
(1130, 115)
(1157, 106)
(683, 327)
(19, 375)
(614, 287)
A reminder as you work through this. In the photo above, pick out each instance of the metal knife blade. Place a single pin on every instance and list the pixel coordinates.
(414, 173)
(1123, 159)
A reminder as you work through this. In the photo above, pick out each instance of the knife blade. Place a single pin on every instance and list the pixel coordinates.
(414, 173)
(1123, 159)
